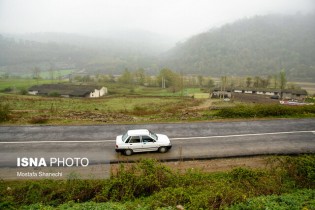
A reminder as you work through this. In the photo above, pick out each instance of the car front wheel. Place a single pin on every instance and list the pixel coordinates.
(162, 149)
(128, 152)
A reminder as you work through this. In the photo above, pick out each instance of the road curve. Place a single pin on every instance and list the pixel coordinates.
(190, 140)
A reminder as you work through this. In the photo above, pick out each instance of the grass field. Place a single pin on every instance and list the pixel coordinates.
(19, 84)
(110, 104)
(116, 109)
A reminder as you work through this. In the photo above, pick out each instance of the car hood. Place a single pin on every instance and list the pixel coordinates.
(119, 140)
(163, 139)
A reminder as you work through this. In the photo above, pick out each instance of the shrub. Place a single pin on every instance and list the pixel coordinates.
(142, 179)
(310, 100)
(301, 169)
(145, 110)
(7, 90)
(4, 112)
(301, 199)
(39, 120)
(23, 92)
(54, 94)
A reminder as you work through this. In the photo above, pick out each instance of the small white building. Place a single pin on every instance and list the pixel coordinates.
(98, 92)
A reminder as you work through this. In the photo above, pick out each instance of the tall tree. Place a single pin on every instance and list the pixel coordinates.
(283, 82)
(248, 81)
(169, 79)
(140, 76)
(36, 73)
(210, 83)
(275, 81)
(200, 80)
(257, 80)
(126, 77)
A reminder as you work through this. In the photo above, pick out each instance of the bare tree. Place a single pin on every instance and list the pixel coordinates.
(36, 73)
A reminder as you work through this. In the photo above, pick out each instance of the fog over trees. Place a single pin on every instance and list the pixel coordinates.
(261, 45)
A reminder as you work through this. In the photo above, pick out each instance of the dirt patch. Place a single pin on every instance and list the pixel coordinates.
(203, 106)
(98, 117)
(253, 98)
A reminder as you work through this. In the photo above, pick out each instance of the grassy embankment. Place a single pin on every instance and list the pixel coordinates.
(152, 185)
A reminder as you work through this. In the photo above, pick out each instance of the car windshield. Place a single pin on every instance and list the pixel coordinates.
(124, 137)
(153, 135)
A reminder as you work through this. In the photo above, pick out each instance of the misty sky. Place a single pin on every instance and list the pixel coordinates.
(176, 18)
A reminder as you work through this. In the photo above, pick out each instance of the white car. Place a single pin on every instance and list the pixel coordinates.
(142, 140)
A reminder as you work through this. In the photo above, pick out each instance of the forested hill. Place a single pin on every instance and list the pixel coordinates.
(257, 46)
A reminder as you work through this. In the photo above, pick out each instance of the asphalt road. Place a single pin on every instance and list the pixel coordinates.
(190, 140)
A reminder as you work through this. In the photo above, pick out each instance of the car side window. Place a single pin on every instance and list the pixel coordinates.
(147, 139)
(134, 139)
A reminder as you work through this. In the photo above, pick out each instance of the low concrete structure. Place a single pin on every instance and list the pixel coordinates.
(276, 93)
(294, 94)
(218, 93)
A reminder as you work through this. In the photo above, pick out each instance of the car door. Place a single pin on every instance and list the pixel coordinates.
(149, 144)
(134, 143)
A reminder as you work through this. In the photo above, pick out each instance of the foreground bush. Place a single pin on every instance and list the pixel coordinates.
(151, 185)
(301, 199)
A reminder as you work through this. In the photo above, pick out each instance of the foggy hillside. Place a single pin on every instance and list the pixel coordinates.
(116, 40)
(258, 46)
(109, 52)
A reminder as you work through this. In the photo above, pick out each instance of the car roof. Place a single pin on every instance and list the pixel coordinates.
(138, 132)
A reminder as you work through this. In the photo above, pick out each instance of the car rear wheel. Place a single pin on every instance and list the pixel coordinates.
(128, 152)
(162, 149)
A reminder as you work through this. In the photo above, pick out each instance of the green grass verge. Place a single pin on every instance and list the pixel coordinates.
(265, 110)
(151, 185)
